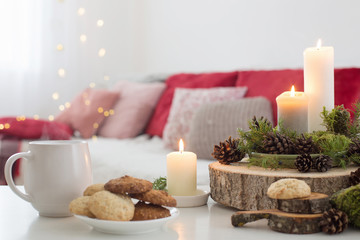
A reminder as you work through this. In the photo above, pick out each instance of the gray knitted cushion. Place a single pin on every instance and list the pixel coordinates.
(215, 122)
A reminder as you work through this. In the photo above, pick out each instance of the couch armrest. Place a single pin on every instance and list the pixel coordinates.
(215, 122)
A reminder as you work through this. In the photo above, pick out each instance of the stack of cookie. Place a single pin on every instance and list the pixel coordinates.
(112, 201)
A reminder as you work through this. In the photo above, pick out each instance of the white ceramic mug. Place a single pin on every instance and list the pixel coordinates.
(55, 173)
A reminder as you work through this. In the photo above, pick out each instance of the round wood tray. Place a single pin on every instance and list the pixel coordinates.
(245, 188)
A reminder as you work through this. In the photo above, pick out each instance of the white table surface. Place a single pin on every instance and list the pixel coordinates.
(18, 220)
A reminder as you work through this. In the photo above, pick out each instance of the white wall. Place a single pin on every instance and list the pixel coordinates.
(233, 34)
(164, 36)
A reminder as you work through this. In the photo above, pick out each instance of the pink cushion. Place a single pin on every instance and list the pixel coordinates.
(184, 106)
(184, 80)
(83, 115)
(133, 110)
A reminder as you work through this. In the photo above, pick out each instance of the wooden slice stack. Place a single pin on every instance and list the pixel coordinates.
(299, 216)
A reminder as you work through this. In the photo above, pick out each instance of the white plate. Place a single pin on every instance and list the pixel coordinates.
(128, 227)
(197, 200)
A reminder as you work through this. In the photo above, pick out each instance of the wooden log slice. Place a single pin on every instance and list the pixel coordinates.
(280, 221)
(315, 203)
(295, 223)
(245, 188)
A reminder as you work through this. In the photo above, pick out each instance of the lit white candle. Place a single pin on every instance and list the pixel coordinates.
(318, 83)
(181, 172)
(293, 110)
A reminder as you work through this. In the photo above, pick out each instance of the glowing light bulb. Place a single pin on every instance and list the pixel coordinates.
(67, 104)
(81, 11)
(100, 110)
(55, 96)
(61, 107)
(83, 38)
(106, 113)
(20, 118)
(102, 52)
(100, 23)
(95, 125)
(51, 117)
(59, 47)
(36, 117)
(92, 85)
(61, 72)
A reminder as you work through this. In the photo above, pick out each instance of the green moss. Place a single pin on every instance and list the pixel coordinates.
(348, 201)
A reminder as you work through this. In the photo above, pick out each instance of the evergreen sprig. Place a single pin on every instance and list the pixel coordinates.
(333, 145)
(160, 184)
(338, 120)
(286, 131)
(355, 126)
(252, 140)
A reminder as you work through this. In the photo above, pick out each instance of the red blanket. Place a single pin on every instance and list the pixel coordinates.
(15, 129)
(8, 146)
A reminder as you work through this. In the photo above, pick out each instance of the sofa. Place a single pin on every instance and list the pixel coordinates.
(131, 127)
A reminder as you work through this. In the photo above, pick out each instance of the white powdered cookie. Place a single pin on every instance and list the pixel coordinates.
(288, 188)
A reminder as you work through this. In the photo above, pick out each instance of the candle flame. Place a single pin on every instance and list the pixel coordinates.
(318, 45)
(292, 92)
(181, 145)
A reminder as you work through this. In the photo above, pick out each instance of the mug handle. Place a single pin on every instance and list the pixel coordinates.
(8, 174)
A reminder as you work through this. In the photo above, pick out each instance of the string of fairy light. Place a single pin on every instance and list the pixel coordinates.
(61, 73)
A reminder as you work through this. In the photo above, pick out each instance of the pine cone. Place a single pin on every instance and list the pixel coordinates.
(255, 122)
(322, 163)
(305, 145)
(276, 143)
(303, 162)
(227, 152)
(354, 147)
(333, 221)
(355, 177)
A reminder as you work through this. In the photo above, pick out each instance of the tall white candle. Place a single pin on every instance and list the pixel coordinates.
(318, 83)
(293, 110)
(181, 172)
